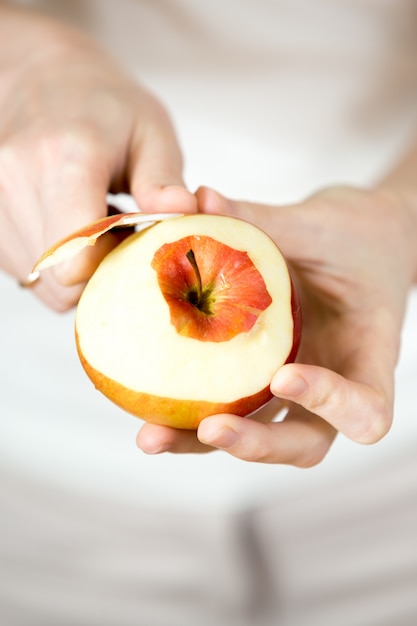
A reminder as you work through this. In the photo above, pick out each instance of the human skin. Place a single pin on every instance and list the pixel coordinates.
(353, 255)
(73, 126)
(352, 252)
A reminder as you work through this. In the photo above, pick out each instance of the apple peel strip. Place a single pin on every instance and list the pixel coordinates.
(74, 243)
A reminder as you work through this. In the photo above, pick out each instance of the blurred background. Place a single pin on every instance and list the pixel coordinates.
(271, 101)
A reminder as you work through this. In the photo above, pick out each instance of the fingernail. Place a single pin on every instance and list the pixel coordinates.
(152, 449)
(152, 446)
(289, 386)
(177, 198)
(223, 438)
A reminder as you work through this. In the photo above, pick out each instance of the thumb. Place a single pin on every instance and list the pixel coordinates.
(287, 225)
(357, 408)
(212, 202)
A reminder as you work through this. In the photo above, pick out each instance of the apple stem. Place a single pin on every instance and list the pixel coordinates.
(192, 260)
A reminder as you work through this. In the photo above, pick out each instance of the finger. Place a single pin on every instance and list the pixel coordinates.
(302, 442)
(286, 224)
(73, 193)
(61, 286)
(155, 168)
(23, 222)
(359, 410)
(154, 439)
(80, 267)
(212, 202)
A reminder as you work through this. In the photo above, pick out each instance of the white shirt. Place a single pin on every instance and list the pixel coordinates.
(271, 100)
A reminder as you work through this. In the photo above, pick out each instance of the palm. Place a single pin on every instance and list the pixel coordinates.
(350, 255)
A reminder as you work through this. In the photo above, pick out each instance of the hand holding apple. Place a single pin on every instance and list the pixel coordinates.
(353, 257)
(73, 126)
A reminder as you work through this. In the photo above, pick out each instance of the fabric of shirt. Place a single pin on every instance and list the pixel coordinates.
(271, 101)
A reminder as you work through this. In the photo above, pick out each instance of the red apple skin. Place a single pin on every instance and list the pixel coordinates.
(298, 322)
(231, 314)
(88, 235)
(183, 414)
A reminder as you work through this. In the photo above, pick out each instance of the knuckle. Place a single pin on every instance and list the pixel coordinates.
(315, 453)
(52, 145)
(10, 168)
(376, 424)
(372, 417)
(61, 306)
(58, 297)
(310, 459)
(76, 144)
(62, 303)
(322, 401)
(259, 453)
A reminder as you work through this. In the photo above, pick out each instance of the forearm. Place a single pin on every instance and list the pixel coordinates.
(401, 183)
(29, 37)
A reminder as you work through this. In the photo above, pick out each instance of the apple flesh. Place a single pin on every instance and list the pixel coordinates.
(189, 318)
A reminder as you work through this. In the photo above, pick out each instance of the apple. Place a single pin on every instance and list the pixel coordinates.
(188, 318)
(87, 235)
